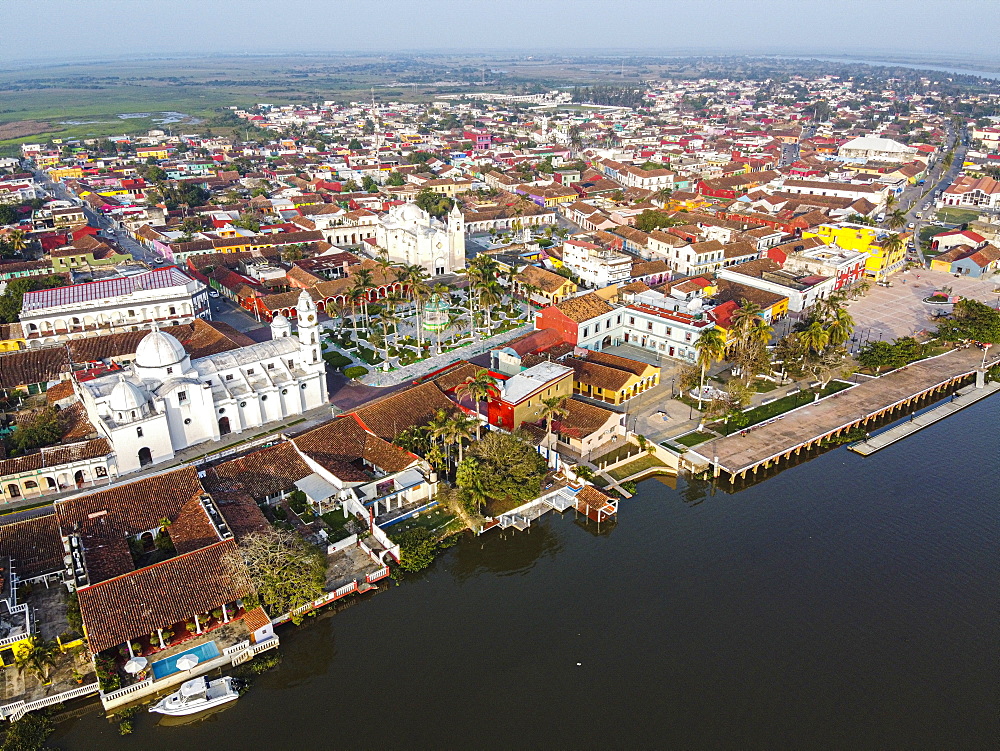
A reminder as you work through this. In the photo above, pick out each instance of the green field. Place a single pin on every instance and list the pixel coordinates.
(94, 95)
(954, 215)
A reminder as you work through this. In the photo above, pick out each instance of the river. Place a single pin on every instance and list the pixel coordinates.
(847, 602)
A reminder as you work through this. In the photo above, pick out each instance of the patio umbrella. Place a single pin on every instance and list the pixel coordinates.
(136, 665)
(187, 662)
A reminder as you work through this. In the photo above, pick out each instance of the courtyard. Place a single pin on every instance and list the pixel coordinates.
(891, 312)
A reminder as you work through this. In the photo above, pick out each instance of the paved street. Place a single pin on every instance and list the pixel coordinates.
(899, 310)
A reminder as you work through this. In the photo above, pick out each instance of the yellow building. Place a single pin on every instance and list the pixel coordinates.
(610, 378)
(868, 240)
(58, 174)
(157, 152)
(544, 287)
(11, 337)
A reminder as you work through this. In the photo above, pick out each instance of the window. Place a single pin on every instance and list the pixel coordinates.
(138, 432)
(270, 366)
(169, 371)
(131, 312)
(649, 325)
(687, 336)
(173, 310)
(631, 320)
(229, 376)
(249, 371)
(669, 331)
(586, 331)
(182, 397)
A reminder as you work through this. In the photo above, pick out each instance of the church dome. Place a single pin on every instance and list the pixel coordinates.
(411, 213)
(158, 350)
(126, 396)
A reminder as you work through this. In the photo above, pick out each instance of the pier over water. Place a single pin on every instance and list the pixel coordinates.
(829, 418)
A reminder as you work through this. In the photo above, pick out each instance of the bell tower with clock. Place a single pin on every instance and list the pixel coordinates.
(308, 327)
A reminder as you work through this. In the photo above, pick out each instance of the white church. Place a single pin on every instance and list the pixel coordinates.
(167, 401)
(411, 236)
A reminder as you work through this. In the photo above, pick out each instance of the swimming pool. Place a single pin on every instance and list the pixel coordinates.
(168, 666)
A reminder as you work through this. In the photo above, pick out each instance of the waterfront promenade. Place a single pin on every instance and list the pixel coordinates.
(763, 445)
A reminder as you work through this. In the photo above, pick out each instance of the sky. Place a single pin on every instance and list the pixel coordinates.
(57, 30)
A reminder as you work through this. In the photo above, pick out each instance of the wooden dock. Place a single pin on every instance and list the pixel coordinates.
(813, 425)
(963, 398)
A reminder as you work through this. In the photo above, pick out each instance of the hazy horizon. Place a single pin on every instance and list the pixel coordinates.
(149, 28)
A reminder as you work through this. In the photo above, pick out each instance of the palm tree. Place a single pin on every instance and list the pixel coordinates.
(363, 282)
(948, 160)
(490, 294)
(711, 348)
(479, 387)
(17, 240)
(416, 278)
(441, 429)
(891, 200)
(892, 244)
(815, 337)
(840, 328)
(555, 406)
(896, 219)
(461, 431)
(37, 656)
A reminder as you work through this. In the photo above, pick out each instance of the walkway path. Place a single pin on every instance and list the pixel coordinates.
(963, 398)
(424, 367)
(799, 428)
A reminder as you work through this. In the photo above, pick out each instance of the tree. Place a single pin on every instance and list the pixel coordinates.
(553, 407)
(711, 347)
(970, 320)
(248, 221)
(877, 355)
(28, 734)
(650, 220)
(750, 334)
(368, 184)
(284, 571)
(13, 297)
(8, 214)
(45, 428)
(896, 219)
(354, 145)
(478, 388)
(17, 240)
(350, 187)
(417, 548)
(892, 243)
(502, 466)
(395, 179)
(36, 655)
(840, 327)
(363, 281)
(815, 337)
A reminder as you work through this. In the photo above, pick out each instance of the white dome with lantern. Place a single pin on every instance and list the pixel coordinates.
(159, 350)
(127, 400)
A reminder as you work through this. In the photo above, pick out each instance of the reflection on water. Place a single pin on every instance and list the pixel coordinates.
(508, 552)
(209, 715)
(847, 603)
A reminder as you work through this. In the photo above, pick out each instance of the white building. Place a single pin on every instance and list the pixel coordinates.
(595, 265)
(168, 402)
(163, 297)
(876, 149)
(411, 236)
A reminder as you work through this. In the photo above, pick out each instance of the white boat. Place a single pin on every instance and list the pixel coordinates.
(197, 695)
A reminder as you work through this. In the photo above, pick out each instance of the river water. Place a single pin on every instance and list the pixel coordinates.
(847, 602)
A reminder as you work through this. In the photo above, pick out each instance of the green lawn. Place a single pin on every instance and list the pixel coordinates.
(336, 360)
(693, 439)
(762, 387)
(337, 523)
(647, 461)
(779, 407)
(956, 215)
(437, 519)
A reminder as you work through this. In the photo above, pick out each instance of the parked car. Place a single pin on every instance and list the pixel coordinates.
(213, 293)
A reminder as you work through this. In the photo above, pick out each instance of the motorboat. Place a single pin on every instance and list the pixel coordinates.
(197, 695)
